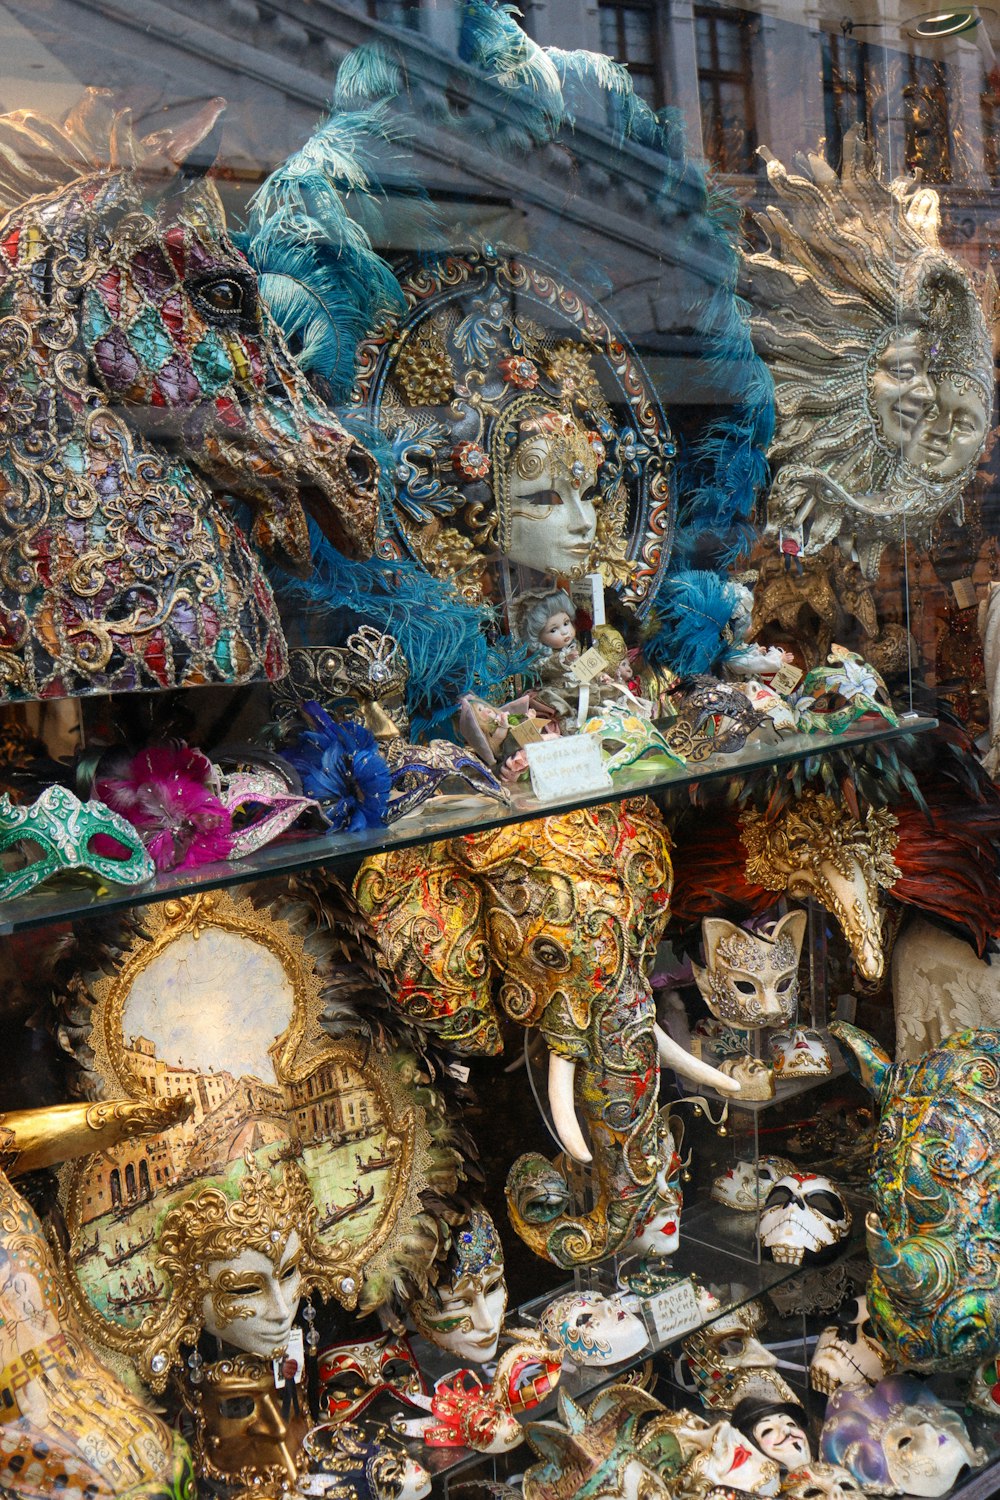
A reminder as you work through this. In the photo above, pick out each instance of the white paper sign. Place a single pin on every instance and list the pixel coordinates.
(673, 1312)
(565, 766)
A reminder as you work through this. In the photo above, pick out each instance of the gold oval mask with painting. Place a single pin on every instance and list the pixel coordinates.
(291, 1129)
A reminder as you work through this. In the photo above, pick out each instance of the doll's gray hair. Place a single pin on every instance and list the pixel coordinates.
(529, 612)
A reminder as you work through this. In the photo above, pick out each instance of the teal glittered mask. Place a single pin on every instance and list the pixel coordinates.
(65, 832)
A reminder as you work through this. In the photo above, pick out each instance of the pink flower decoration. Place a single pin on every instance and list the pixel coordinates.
(166, 794)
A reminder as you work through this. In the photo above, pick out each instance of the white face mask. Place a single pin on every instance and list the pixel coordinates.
(468, 1321)
(804, 1217)
(780, 1437)
(799, 1053)
(593, 1330)
(553, 521)
(265, 1298)
(821, 1482)
(745, 1187)
(926, 1449)
(730, 1460)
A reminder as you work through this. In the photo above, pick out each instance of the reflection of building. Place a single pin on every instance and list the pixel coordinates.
(333, 1103)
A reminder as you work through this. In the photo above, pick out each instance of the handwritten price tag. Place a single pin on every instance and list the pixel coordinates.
(673, 1312)
(566, 766)
(786, 678)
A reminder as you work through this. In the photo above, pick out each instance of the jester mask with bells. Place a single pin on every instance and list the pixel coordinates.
(881, 355)
(565, 912)
(934, 1293)
(160, 382)
(69, 1425)
(750, 978)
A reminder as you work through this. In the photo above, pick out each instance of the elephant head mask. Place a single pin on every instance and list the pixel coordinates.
(558, 917)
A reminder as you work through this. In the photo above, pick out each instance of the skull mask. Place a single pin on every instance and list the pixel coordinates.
(821, 1482)
(751, 978)
(848, 1353)
(745, 1187)
(804, 1219)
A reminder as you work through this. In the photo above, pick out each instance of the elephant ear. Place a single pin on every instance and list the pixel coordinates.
(871, 1066)
(425, 915)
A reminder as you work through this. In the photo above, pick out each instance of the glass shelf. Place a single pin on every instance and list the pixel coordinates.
(441, 817)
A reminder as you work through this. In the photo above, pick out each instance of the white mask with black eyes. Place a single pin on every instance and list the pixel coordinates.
(804, 1219)
(848, 1353)
(821, 1482)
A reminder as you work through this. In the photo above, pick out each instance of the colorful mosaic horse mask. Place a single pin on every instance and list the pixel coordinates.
(934, 1294)
(564, 912)
(136, 363)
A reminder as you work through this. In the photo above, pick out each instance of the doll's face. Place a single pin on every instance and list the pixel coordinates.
(781, 1438)
(253, 1301)
(558, 631)
(926, 1450)
(553, 521)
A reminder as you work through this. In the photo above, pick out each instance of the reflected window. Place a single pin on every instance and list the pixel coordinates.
(395, 12)
(724, 42)
(629, 34)
(846, 91)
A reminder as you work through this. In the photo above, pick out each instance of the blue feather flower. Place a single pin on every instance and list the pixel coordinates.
(342, 767)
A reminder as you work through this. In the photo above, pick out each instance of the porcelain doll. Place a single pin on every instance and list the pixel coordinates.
(464, 1313)
(544, 622)
(777, 1428)
(897, 1438)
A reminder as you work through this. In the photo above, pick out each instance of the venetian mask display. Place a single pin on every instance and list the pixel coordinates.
(179, 384)
(933, 1293)
(727, 1364)
(623, 1444)
(354, 1372)
(897, 1438)
(658, 1234)
(304, 1165)
(592, 1329)
(464, 1413)
(816, 1481)
(750, 979)
(847, 1352)
(778, 1429)
(726, 1459)
(549, 908)
(464, 1312)
(798, 1052)
(343, 1458)
(894, 352)
(542, 465)
(70, 1426)
(816, 847)
(804, 1219)
(746, 1184)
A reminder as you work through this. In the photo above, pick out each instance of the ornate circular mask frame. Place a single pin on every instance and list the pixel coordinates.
(499, 366)
(292, 1131)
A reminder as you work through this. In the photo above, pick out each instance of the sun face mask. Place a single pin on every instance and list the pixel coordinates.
(63, 830)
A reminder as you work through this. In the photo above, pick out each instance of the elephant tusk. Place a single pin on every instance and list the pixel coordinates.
(562, 1102)
(673, 1055)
